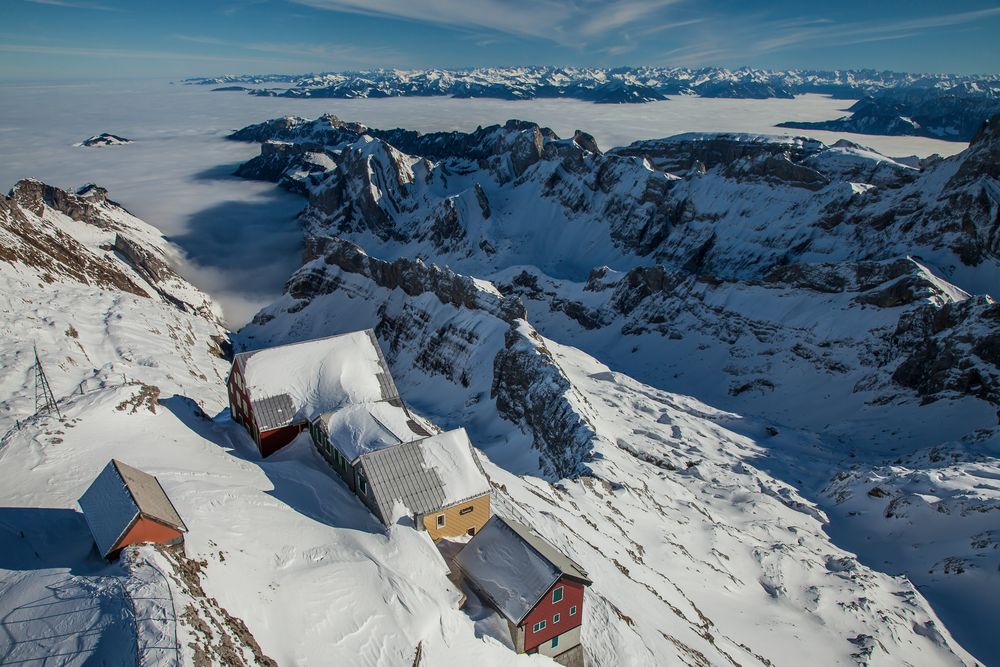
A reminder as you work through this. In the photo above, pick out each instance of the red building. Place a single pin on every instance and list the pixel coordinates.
(275, 393)
(537, 589)
(126, 506)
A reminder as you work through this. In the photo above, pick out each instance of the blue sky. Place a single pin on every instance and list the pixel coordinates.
(60, 39)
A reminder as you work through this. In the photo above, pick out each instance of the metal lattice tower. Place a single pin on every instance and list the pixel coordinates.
(45, 400)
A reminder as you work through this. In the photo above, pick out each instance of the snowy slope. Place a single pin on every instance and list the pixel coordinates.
(828, 294)
(281, 545)
(667, 494)
(738, 527)
(674, 493)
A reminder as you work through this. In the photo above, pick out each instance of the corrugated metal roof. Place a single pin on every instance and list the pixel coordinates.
(385, 381)
(273, 412)
(426, 475)
(400, 473)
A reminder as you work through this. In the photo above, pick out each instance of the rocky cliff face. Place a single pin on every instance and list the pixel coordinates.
(328, 130)
(681, 153)
(910, 329)
(674, 200)
(54, 252)
(531, 390)
(413, 277)
(952, 349)
(108, 248)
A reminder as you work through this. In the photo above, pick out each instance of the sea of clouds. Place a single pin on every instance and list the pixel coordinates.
(240, 240)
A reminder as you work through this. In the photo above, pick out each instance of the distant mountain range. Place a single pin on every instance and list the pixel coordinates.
(943, 106)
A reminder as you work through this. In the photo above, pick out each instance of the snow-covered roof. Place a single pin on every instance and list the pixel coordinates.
(297, 382)
(360, 428)
(118, 495)
(513, 567)
(451, 455)
(425, 475)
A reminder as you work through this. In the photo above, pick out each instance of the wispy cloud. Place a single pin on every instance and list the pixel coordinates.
(617, 15)
(232, 9)
(616, 27)
(564, 22)
(726, 41)
(519, 17)
(827, 33)
(75, 4)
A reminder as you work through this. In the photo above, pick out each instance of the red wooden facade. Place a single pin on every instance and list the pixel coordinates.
(273, 440)
(268, 442)
(145, 530)
(546, 610)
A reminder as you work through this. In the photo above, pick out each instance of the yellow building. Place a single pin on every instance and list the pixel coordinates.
(437, 480)
(464, 518)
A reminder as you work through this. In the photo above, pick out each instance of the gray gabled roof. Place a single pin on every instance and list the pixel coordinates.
(273, 412)
(399, 473)
(426, 475)
(514, 568)
(118, 495)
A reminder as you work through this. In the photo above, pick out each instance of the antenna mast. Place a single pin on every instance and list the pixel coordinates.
(45, 400)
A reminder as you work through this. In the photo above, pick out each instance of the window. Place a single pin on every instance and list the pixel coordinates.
(572, 610)
(363, 485)
(440, 521)
(538, 627)
(555, 618)
(466, 510)
(555, 642)
(557, 595)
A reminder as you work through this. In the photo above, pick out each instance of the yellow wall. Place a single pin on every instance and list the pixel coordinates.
(455, 523)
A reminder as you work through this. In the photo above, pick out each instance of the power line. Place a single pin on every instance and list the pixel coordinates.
(45, 400)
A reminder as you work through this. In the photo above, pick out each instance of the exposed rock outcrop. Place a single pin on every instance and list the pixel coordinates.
(413, 277)
(131, 258)
(105, 139)
(955, 349)
(531, 390)
(29, 240)
(680, 153)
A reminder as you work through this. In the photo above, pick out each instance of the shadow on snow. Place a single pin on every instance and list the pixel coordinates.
(299, 476)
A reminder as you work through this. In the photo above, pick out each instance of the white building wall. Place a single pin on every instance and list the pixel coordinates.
(567, 640)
